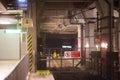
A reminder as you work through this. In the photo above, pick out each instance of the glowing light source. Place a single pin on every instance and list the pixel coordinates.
(8, 21)
(87, 45)
(104, 45)
(66, 46)
(79, 44)
(21, 0)
(97, 46)
(12, 31)
(22, 4)
(4, 22)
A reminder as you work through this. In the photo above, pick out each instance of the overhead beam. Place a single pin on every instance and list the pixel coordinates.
(2, 7)
(61, 36)
(59, 5)
(70, 0)
(66, 5)
(39, 13)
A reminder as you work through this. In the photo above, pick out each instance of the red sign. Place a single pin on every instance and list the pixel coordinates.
(75, 53)
(72, 54)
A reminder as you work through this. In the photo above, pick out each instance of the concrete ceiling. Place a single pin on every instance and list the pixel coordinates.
(9, 14)
(2, 8)
(58, 15)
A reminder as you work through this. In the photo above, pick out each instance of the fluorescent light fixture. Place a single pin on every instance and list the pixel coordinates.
(4, 22)
(21, 0)
(8, 21)
(13, 31)
(22, 4)
(66, 46)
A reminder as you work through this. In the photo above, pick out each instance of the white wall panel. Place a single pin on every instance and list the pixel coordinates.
(9, 45)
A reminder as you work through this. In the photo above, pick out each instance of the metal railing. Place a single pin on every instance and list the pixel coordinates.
(60, 63)
(20, 71)
(99, 66)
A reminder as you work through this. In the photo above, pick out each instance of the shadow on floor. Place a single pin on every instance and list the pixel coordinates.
(81, 75)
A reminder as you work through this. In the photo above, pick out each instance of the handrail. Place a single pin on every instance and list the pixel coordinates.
(20, 71)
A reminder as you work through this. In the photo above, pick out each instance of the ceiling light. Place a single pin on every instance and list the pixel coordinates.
(4, 22)
(12, 31)
(21, 0)
(8, 21)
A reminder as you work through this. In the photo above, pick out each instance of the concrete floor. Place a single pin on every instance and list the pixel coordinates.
(35, 76)
(6, 66)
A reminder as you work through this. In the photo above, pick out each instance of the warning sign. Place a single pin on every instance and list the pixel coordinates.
(71, 54)
(67, 54)
(27, 22)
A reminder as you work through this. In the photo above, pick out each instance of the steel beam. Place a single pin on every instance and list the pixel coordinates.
(70, 0)
(39, 13)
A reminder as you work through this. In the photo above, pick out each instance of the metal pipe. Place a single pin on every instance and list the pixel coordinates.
(82, 46)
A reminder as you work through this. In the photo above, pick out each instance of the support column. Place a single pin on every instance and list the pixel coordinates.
(30, 52)
(119, 34)
(31, 13)
(79, 38)
(39, 13)
(106, 28)
(89, 41)
(91, 37)
(81, 43)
